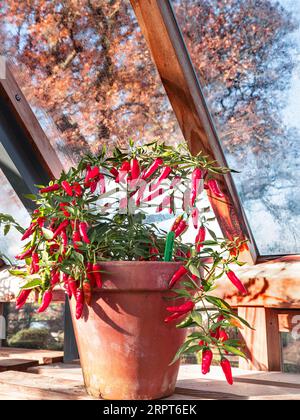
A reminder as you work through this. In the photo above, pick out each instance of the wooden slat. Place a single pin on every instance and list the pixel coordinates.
(43, 357)
(25, 116)
(16, 364)
(159, 27)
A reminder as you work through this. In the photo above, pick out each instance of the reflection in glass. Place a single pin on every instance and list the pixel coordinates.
(246, 54)
(290, 352)
(11, 204)
(87, 73)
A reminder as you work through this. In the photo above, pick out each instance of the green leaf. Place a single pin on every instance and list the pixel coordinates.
(235, 351)
(32, 284)
(194, 270)
(220, 303)
(18, 273)
(180, 351)
(187, 322)
(197, 317)
(32, 197)
(182, 292)
(193, 349)
(48, 234)
(6, 229)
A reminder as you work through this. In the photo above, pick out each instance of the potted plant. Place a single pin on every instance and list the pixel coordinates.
(134, 287)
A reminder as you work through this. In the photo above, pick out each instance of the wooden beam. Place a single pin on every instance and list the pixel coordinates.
(17, 102)
(159, 26)
(262, 344)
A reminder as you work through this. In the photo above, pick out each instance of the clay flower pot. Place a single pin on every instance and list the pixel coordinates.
(124, 345)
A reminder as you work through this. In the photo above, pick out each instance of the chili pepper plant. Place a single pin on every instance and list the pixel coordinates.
(99, 211)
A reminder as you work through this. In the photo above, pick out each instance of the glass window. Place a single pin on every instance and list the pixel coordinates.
(11, 204)
(28, 329)
(246, 54)
(290, 352)
(86, 71)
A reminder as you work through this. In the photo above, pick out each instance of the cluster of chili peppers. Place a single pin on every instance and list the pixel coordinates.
(71, 226)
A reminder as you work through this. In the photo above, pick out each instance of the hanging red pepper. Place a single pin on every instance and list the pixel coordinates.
(178, 275)
(41, 221)
(91, 175)
(207, 357)
(236, 282)
(182, 309)
(176, 223)
(29, 231)
(223, 336)
(76, 237)
(214, 188)
(60, 228)
(51, 188)
(226, 367)
(87, 291)
(89, 274)
(73, 285)
(83, 226)
(93, 185)
(115, 174)
(79, 303)
(182, 227)
(172, 317)
(197, 175)
(97, 275)
(154, 253)
(47, 299)
(67, 188)
(55, 278)
(134, 169)
(34, 268)
(200, 238)
(152, 168)
(164, 175)
(62, 208)
(77, 189)
(22, 298)
(195, 217)
(25, 254)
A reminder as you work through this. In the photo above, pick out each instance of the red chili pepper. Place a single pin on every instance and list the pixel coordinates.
(178, 275)
(226, 367)
(182, 227)
(34, 268)
(47, 298)
(154, 253)
(87, 291)
(207, 356)
(66, 284)
(29, 232)
(51, 188)
(93, 185)
(134, 169)
(176, 223)
(197, 175)
(152, 168)
(62, 208)
(223, 336)
(237, 282)
(76, 237)
(67, 188)
(73, 285)
(200, 238)
(79, 303)
(22, 298)
(172, 317)
(41, 221)
(214, 188)
(182, 309)
(60, 228)
(97, 275)
(195, 217)
(89, 274)
(83, 226)
(165, 173)
(115, 173)
(91, 174)
(77, 189)
(64, 238)
(25, 254)
(55, 278)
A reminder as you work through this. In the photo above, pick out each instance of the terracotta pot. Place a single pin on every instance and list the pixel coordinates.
(124, 345)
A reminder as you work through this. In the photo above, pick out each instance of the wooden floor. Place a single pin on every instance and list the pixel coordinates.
(25, 376)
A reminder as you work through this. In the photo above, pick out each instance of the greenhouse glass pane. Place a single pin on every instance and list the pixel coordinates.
(247, 57)
(87, 73)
